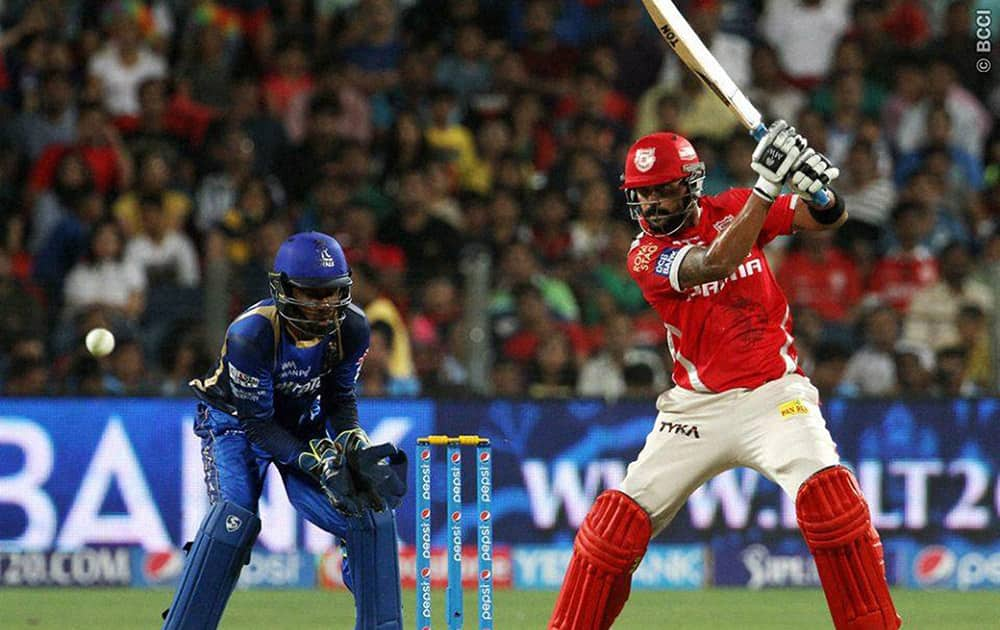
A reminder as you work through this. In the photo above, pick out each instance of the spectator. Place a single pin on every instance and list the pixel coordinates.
(466, 70)
(125, 61)
(100, 145)
(589, 231)
(869, 194)
(970, 121)
(431, 245)
(909, 266)
(932, 319)
(552, 373)
(507, 379)
(951, 376)
(128, 375)
(820, 276)
(770, 90)
(871, 371)
(367, 293)
(974, 336)
(27, 371)
(166, 256)
(605, 374)
(53, 123)
(805, 35)
(915, 370)
(830, 361)
(287, 87)
(218, 192)
(155, 181)
(72, 183)
(104, 278)
(376, 380)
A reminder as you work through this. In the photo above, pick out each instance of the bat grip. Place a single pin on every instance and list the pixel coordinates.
(822, 197)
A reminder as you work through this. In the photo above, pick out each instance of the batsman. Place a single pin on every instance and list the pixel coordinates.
(700, 264)
(283, 393)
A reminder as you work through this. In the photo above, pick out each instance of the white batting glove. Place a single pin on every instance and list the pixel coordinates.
(812, 173)
(774, 157)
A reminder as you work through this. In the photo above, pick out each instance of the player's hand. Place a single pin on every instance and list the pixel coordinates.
(380, 474)
(327, 462)
(774, 157)
(811, 173)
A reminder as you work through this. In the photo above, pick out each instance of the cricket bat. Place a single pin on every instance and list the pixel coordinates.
(692, 51)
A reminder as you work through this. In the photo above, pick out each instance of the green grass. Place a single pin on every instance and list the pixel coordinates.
(716, 609)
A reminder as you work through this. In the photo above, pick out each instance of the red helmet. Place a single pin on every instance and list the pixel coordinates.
(661, 158)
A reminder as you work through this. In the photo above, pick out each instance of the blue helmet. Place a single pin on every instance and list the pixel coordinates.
(315, 263)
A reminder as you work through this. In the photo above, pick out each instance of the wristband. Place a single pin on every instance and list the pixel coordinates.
(828, 216)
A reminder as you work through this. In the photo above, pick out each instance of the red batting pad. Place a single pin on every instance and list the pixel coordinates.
(608, 548)
(837, 526)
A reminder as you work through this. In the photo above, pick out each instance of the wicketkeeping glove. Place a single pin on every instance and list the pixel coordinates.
(380, 473)
(811, 173)
(774, 157)
(327, 463)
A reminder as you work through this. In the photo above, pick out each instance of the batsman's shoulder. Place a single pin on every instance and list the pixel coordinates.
(726, 202)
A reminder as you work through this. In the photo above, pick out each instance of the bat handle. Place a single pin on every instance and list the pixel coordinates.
(822, 197)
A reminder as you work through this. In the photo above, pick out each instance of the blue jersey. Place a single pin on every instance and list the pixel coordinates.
(282, 391)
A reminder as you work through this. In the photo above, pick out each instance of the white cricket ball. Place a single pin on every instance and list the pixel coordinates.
(100, 342)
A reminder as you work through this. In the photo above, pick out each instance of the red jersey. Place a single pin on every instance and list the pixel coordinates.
(730, 333)
(900, 274)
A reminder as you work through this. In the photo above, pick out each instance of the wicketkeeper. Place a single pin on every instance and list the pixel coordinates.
(283, 392)
(700, 264)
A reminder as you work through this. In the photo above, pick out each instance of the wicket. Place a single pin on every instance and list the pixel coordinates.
(484, 492)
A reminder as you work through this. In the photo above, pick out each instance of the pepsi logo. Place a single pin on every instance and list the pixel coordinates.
(425, 572)
(425, 454)
(163, 565)
(484, 515)
(484, 456)
(425, 513)
(456, 457)
(934, 564)
(456, 516)
(485, 574)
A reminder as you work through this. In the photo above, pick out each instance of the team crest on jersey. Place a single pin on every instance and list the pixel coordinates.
(643, 257)
(723, 223)
(325, 258)
(644, 159)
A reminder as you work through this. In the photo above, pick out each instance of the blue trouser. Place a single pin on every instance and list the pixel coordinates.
(235, 470)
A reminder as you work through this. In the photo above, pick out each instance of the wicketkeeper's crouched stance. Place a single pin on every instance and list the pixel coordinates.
(700, 264)
(283, 393)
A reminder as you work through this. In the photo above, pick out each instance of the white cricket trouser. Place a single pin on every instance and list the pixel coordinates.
(776, 429)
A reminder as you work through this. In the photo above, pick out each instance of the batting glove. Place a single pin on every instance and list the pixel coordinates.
(774, 157)
(812, 173)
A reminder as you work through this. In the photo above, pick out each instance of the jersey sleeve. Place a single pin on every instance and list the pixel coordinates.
(339, 400)
(779, 219)
(249, 366)
(655, 267)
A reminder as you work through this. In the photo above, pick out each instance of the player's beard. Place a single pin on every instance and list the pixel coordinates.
(669, 221)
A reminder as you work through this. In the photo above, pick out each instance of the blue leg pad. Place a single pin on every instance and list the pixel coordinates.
(374, 565)
(221, 548)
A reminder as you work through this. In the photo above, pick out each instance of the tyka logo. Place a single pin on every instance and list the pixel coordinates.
(233, 523)
(688, 430)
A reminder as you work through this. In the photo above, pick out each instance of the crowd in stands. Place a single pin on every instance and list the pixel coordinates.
(154, 155)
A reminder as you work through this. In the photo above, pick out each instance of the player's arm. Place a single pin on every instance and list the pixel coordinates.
(812, 173)
(773, 158)
(252, 386)
(717, 261)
